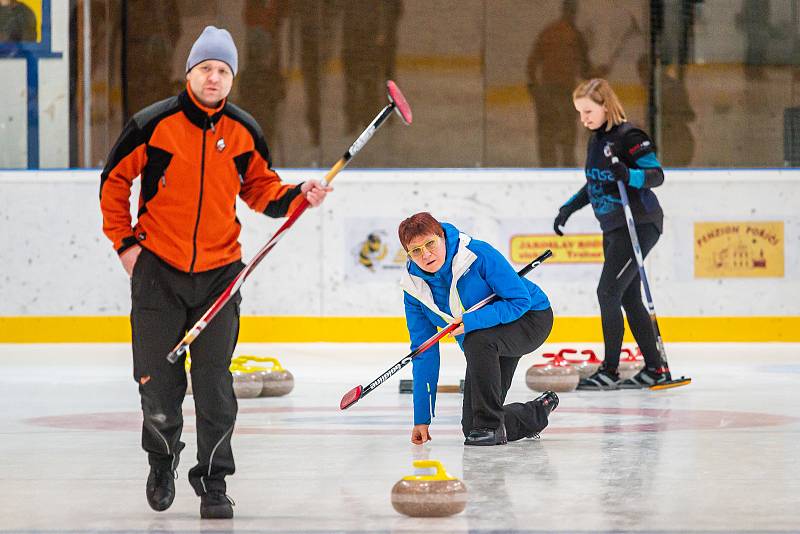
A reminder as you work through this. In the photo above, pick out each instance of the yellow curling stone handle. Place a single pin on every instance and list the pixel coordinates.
(440, 474)
(238, 366)
(276, 365)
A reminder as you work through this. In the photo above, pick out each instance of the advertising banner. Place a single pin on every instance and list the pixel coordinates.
(570, 248)
(373, 252)
(738, 249)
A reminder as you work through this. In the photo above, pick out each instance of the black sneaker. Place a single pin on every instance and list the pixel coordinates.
(487, 436)
(646, 377)
(602, 379)
(160, 489)
(549, 400)
(216, 505)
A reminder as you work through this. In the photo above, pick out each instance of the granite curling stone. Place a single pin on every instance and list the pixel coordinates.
(629, 365)
(589, 366)
(582, 366)
(276, 380)
(557, 375)
(246, 383)
(437, 495)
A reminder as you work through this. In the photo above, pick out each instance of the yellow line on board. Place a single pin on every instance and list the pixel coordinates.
(65, 329)
(288, 329)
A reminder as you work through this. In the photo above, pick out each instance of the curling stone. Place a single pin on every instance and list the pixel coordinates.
(188, 366)
(629, 365)
(246, 383)
(573, 362)
(557, 375)
(437, 495)
(589, 366)
(276, 380)
(563, 355)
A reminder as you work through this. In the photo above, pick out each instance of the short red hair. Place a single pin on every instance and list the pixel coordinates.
(417, 225)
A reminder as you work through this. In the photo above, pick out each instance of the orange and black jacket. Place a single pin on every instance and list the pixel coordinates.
(193, 161)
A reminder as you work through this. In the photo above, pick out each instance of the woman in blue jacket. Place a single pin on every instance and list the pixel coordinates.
(447, 273)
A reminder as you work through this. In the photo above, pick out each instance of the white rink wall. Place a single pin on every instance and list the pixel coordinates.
(56, 261)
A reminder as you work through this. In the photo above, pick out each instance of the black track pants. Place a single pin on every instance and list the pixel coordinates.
(492, 356)
(165, 304)
(620, 287)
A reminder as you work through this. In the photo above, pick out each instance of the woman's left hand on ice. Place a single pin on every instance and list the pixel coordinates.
(420, 434)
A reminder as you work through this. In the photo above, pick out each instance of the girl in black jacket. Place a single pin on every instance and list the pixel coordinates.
(620, 285)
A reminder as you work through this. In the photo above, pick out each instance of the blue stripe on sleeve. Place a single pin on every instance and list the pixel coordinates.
(573, 197)
(636, 178)
(648, 161)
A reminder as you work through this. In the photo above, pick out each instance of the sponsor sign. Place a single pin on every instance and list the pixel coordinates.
(738, 249)
(570, 248)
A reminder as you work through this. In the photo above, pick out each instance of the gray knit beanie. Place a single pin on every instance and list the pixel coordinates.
(214, 43)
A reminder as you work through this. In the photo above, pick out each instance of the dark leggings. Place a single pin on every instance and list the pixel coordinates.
(492, 356)
(620, 287)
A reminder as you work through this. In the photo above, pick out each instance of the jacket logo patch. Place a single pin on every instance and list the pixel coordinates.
(640, 146)
(220, 145)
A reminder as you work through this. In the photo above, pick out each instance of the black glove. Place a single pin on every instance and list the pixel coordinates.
(620, 172)
(561, 220)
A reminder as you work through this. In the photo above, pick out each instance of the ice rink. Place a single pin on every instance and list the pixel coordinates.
(720, 455)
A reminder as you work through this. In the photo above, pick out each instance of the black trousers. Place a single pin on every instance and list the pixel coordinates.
(165, 304)
(620, 287)
(492, 356)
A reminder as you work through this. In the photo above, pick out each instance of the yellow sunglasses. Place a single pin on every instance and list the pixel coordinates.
(417, 252)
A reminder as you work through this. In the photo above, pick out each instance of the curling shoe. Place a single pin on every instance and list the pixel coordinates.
(216, 505)
(549, 400)
(646, 377)
(602, 379)
(487, 436)
(160, 489)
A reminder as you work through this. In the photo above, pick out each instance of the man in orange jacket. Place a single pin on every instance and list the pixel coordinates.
(194, 153)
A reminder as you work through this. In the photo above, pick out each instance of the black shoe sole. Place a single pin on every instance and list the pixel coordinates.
(216, 512)
(553, 405)
(633, 386)
(160, 508)
(484, 444)
(589, 387)
(550, 403)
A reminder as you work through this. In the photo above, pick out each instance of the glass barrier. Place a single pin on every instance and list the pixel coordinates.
(715, 82)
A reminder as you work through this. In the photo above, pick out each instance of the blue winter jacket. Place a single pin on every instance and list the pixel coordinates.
(432, 300)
